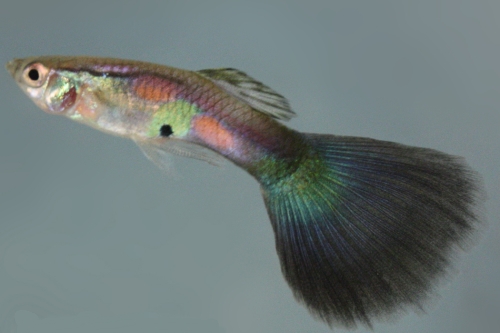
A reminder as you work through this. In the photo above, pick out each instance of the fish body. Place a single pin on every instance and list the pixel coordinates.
(363, 227)
(154, 104)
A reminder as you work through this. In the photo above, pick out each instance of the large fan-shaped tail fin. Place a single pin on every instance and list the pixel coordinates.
(364, 228)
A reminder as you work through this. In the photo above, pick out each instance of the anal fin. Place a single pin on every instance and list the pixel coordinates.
(158, 150)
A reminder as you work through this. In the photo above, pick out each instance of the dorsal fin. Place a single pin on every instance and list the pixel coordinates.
(254, 93)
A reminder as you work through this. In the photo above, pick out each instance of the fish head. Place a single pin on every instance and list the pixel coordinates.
(51, 89)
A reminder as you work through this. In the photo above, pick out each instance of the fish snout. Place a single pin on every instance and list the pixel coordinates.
(12, 66)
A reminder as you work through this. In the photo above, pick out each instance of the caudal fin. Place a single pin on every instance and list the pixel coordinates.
(364, 227)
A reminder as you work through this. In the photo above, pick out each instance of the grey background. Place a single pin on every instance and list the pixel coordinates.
(94, 238)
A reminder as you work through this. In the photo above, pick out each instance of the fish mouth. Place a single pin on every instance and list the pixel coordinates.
(12, 66)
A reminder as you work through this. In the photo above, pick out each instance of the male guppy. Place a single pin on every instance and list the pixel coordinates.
(363, 227)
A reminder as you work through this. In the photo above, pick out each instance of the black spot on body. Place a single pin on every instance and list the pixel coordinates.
(166, 131)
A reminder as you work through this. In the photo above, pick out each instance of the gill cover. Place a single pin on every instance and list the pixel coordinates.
(60, 93)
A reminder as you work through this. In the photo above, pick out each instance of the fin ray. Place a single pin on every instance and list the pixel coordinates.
(250, 91)
(368, 234)
(158, 150)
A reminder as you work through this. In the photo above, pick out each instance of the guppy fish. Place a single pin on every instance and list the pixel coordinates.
(363, 227)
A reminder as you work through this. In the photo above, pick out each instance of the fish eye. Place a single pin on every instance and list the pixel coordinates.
(35, 74)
